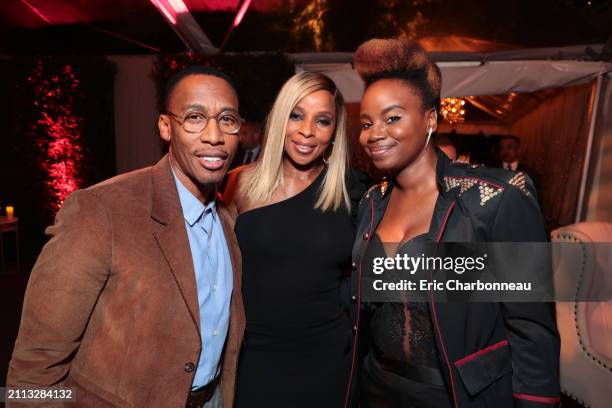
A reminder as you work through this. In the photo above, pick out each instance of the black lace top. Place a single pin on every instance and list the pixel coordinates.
(401, 332)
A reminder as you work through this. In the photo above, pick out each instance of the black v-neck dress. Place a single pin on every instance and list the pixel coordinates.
(297, 343)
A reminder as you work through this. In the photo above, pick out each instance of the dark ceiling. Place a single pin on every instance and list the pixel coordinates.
(29, 27)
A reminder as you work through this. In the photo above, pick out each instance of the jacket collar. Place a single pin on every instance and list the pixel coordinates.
(166, 205)
(193, 208)
(174, 244)
(444, 167)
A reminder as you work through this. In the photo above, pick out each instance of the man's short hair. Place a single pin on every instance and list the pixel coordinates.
(516, 139)
(193, 70)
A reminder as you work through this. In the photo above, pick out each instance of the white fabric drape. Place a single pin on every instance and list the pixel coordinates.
(137, 142)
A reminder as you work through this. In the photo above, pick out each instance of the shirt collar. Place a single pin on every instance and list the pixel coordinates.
(254, 150)
(513, 165)
(192, 207)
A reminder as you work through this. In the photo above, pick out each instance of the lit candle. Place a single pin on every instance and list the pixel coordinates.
(10, 211)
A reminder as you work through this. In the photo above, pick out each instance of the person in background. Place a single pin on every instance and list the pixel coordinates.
(250, 144)
(248, 152)
(136, 299)
(440, 354)
(295, 231)
(509, 151)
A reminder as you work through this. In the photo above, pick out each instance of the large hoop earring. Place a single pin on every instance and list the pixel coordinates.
(325, 161)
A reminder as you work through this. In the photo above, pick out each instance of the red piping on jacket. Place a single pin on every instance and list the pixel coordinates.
(479, 353)
(435, 315)
(537, 398)
(348, 388)
(445, 222)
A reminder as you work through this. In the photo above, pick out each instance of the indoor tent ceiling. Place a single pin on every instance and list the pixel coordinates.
(506, 109)
(41, 13)
(30, 27)
(468, 74)
(500, 87)
(491, 74)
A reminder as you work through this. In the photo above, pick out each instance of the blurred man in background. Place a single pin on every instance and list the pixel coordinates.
(250, 144)
(510, 158)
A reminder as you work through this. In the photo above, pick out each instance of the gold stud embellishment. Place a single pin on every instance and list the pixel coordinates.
(369, 192)
(463, 183)
(518, 180)
(384, 185)
(487, 192)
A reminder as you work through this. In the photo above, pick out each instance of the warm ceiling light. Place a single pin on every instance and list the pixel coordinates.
(36, 11)
(186, 27)
(178, 6)
(452, 110)
(241, 12)
(171, 8)
(168, 12)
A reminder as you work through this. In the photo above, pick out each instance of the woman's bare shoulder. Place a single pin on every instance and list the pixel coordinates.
(236, 180)
(242, 175)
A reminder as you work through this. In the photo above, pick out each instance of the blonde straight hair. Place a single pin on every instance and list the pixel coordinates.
(268, 172)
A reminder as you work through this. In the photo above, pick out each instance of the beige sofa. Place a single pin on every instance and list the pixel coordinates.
(585, 327)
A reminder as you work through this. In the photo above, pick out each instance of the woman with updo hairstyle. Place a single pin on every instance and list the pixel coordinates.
(433, 353)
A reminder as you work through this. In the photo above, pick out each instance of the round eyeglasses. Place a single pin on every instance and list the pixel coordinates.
(195, 122)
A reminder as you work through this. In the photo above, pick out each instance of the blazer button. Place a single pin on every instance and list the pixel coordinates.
(354, 266)
(189, 367)
(366, 236)
(353, 298)
(354, 329)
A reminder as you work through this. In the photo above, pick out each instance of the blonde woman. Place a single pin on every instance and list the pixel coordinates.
(295, 233)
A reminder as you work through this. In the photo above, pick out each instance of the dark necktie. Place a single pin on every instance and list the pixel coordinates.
(248, 157)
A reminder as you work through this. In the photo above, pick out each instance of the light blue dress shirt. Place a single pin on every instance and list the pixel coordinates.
(213, 272)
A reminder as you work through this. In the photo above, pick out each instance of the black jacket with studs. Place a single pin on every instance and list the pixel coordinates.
(491, 354)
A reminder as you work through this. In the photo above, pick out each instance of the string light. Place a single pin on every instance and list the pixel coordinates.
(311, 20)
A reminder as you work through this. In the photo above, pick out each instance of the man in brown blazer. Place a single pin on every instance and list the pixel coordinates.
(135, 301)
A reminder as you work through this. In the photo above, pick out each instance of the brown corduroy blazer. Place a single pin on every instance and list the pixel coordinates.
(111, 307)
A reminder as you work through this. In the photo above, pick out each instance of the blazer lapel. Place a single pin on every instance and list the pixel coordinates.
(171, 235)
(237, 316)
(237, 308)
